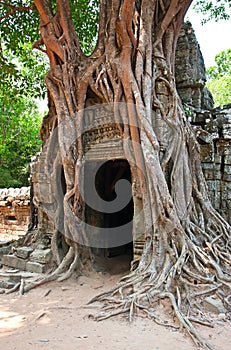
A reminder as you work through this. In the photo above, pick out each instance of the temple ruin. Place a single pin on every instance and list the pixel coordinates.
(104, 153)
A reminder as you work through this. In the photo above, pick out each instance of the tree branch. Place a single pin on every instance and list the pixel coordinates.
(14, 9)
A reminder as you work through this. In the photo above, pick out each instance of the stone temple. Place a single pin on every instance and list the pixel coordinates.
(104, 156)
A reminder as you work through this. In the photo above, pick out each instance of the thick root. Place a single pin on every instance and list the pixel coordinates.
(184, 283)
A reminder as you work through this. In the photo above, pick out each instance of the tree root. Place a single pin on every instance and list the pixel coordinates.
(198, 277)
(130, 306)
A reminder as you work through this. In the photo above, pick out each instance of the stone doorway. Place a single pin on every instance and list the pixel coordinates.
(111, 226)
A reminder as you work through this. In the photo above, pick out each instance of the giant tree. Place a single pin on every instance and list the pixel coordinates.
(186, 251)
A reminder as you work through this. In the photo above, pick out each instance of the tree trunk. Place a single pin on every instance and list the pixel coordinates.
(131, 74)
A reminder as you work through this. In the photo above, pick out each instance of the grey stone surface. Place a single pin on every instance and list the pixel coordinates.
(190, 70)
(4, 251)
(14, 261)
(41, 256)
(6, 284)
(35, 267)
(15, 279)
(23, 252)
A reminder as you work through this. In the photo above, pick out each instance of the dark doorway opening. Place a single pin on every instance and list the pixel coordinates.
(107, 176)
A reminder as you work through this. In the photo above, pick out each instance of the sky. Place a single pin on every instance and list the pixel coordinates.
(213, 37)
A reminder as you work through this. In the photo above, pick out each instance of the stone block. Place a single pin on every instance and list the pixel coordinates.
(213, 305)
(225, 196)
(15, 279)
(14, 261)
(35, 267)
(23, 252)
(211, 174)
(227, 177)
(227, 169)
(6, 284)
(207, 153)
(4, 251)
(224, 148)
(44, 192)
(226, 186)
(227, 132)
(214, 185)
(208, 166)
(227, 159)
(226, 192)
(41, 256)
(217, 158)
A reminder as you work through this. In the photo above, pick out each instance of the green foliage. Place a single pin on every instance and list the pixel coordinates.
(219, 78)
(23, 69)
(19, 139)
(19, 118)
(18, 32)
(85, 18)
(24, 74)
(213, 9)
(222, 67)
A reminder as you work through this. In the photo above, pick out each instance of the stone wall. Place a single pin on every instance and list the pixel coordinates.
(214, 136)
(14, 212)
(212, 126)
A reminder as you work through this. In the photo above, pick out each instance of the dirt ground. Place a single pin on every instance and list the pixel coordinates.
(56, 316)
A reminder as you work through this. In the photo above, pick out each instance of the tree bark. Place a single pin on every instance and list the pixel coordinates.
(187, 243)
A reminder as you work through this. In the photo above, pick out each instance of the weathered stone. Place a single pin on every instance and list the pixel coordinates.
(223, 147)
(6, 284)
(23, 252)
(41, 256)
(14, 261)
(14, 212)
(227, 159)
(227, 169)
(217, 158)
(207, 153)
(190, 70)
(226, 195)
(4, 251)
(35, 267)
(227, 177)
(213, 305)
(15, 279)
